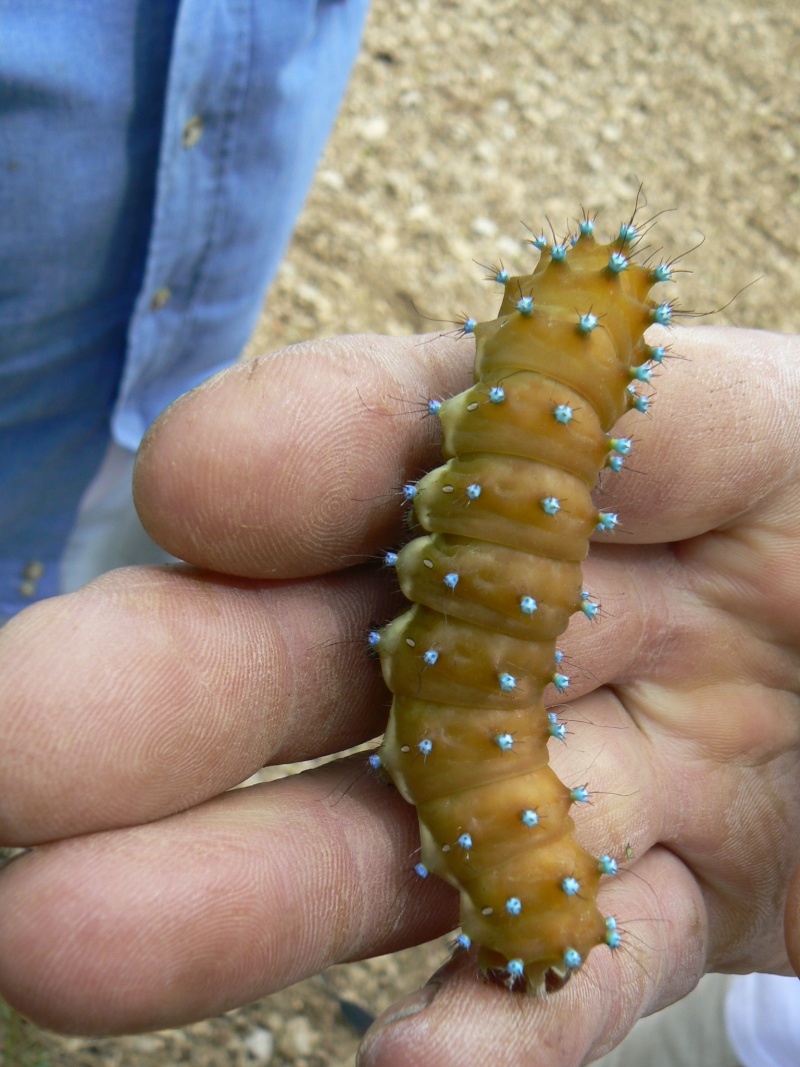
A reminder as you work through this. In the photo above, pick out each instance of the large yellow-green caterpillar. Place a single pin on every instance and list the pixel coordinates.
(494, 582)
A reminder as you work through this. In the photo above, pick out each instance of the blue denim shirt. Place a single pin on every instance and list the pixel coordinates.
(154, 155)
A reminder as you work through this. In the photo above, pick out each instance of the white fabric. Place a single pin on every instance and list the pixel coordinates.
(762, 1019)
(107, 532)
(689, 1033)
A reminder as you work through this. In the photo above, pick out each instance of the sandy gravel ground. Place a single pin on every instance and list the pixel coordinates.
(463, 119)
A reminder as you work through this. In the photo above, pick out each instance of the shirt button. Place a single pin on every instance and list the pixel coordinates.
(192, 131)
(161, 297)
(31, 573)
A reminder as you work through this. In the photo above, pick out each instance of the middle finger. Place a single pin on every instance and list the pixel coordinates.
(153, 689)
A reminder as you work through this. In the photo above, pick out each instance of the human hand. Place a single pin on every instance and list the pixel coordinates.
(131, 706)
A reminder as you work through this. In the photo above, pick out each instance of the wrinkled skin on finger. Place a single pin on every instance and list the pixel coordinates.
(130, 708)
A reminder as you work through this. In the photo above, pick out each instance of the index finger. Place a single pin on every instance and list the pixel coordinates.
(292, 464)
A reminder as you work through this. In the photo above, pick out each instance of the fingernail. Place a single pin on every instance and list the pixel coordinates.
(412, 1005)
(369, 1051)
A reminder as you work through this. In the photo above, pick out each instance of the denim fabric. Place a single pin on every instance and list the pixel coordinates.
(154, 155)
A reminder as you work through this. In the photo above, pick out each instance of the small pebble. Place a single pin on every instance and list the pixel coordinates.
(298, 1038)
(260, 1044)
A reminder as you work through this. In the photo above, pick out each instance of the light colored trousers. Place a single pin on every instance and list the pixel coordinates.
(690, 1033)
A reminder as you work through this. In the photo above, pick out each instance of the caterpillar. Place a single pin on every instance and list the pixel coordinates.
(493, 582)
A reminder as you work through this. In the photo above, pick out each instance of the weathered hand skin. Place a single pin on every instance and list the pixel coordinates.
(156, 895)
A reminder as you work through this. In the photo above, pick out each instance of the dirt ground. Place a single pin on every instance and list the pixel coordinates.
(464, 119)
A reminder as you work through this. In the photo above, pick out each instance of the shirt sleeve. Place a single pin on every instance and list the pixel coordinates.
(253, 90)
